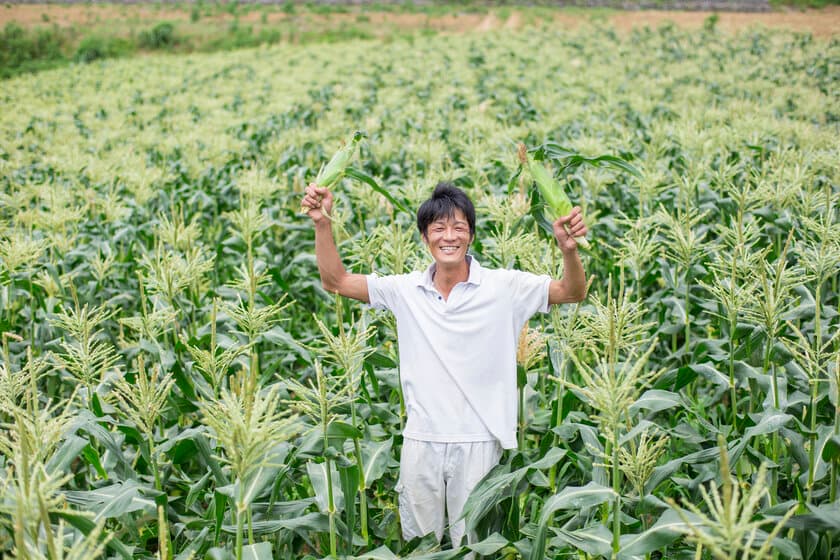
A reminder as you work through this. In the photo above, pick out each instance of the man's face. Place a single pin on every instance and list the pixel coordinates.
(448, 238)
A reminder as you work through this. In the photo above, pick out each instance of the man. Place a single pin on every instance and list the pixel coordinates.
(457, 327)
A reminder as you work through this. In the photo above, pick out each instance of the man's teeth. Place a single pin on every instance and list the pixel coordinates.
(449, 249)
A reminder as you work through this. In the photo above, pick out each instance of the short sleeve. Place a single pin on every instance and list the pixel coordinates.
(530, 294)
(382, 291)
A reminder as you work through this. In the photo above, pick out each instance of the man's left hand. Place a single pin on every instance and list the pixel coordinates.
(566, 228)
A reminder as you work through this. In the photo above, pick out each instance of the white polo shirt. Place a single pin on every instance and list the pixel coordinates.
(458, 356)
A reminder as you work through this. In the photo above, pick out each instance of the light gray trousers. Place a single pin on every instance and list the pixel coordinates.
(435, 481)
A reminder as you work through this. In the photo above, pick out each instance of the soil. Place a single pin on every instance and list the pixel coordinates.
(823, 23)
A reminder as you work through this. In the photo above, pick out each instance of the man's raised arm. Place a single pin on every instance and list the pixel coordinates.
(334, 277)
(572, 287)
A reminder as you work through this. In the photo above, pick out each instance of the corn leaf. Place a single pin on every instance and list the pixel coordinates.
(590, 495)
(350, 488)
(595, 540)
(656, 400)
(257, 551)
(490, 545)
(114, 500)
(265, 474)
(318, 478)
(571, 160)
(381, 553)
(376, 457)
(665, 531)
(363, 177)
(69, 450)
(85, 524)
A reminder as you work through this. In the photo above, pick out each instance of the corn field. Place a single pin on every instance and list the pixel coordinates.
(175, 383)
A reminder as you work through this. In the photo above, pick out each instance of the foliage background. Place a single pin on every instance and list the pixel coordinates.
(39, 36)
(161, 305)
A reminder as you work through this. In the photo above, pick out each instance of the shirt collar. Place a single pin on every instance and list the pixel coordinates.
(426, 279)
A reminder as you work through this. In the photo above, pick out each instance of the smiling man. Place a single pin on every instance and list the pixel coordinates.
(458, 327)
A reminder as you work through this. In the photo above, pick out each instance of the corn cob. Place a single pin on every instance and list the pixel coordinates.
(550, 190)
(333, 172)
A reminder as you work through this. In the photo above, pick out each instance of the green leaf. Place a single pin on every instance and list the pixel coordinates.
(190, 434)
(292, 508)
(381, 553)
(196, 543)
(640, 428)
(576, 497)
(197, 488)
(343, 430)
(217, 553)
(569, 498)
(824, 517)
(113, 501)
(666, 530)
(595, 540)
(266, 474)
(376, 456)
(310, 522)
(318, 478)
(88, 423)
(572, 160)
(350, 488)
(831, 449)
(490, 545)
(85, 524)
(442, 555)
(656, 400)
(771, 421)
(662, 472)
(787, 547)
(521, 377)
(258, 551)
(69, 450)
(219, 506)
(512, 182)
(675, 379)
(211, 461)
(551, 458)
(490, 491)
(710, 373)
(358, 175)
(538, 479)
(92, 457)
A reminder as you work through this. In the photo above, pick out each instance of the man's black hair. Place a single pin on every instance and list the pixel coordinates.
(444, 201)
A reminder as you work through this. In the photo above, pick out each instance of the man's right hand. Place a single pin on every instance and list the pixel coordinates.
(319, 201)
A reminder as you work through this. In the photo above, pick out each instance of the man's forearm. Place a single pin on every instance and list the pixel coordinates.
(573, 275)
(574, 278)
(330, 266)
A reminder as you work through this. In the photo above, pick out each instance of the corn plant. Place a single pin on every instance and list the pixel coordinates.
(729, 529)
(246, 424)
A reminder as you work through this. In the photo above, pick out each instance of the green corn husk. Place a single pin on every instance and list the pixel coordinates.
(333, 172)
(550, 190)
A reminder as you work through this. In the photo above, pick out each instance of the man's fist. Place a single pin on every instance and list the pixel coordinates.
(317, 202)
(567, 228)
